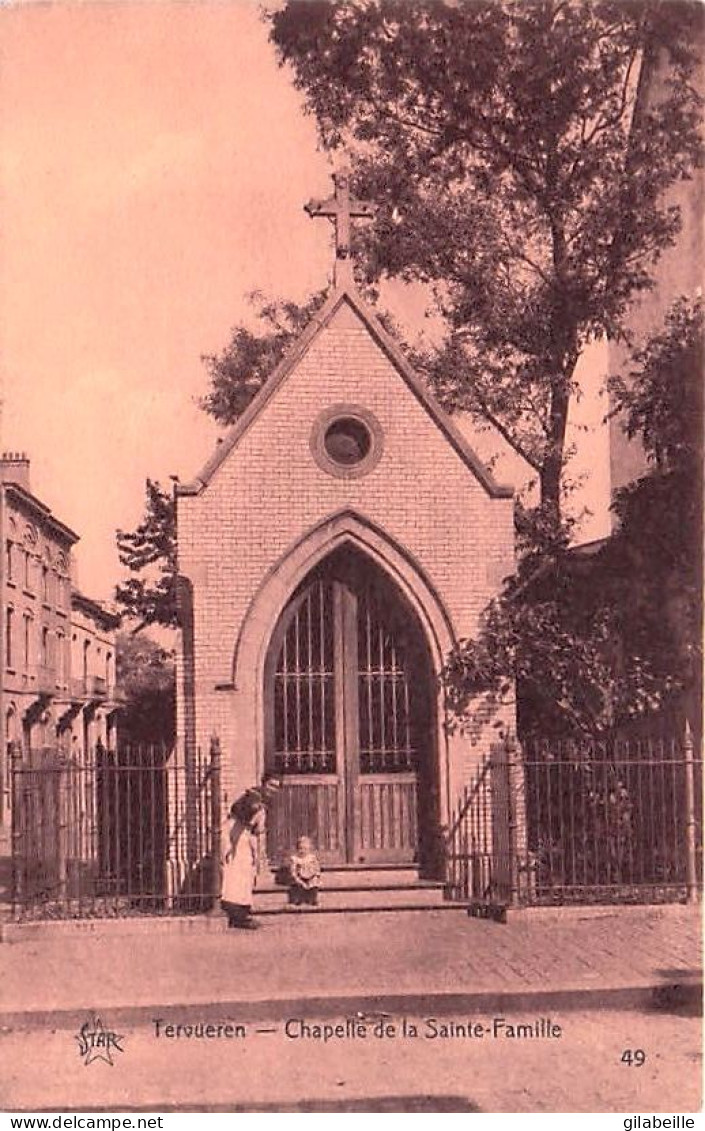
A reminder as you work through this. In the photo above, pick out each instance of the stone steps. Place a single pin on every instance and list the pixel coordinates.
(356, 889)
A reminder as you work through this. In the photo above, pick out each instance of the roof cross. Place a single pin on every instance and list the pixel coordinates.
(341, 208)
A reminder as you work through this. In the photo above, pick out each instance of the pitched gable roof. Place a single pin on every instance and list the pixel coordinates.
(346, 293)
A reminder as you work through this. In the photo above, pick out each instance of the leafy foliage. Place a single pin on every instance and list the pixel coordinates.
(511, 173)
(236, 375)
(147, 676)
(520, 155)
(238, 372)
(595, 641)
(556, 638)
(517, 174)
(661, 399)
(150, 550)
(661, 514)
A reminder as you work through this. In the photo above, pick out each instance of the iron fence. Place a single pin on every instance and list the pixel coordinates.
(616, 820)
(109, 833)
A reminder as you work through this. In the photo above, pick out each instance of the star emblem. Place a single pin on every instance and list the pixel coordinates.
(95, 1042)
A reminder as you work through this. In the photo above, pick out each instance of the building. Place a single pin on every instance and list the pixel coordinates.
(93, 672)
(678, 273)
(58, 646)
(342, 537)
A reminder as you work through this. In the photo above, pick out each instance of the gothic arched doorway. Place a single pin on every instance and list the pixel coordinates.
(349, 707)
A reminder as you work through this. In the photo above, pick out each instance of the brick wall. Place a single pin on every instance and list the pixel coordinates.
(270, 490)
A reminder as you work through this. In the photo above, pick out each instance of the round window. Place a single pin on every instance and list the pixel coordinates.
(347, 441)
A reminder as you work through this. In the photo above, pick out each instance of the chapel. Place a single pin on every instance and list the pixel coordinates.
(341, 538)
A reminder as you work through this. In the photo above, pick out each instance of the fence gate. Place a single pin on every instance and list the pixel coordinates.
(109, 833)
(482, 842)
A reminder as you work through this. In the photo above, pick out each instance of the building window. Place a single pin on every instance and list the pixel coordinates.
(45, 582)
(11, 728)
(347, 441)
(27, 644)
(9, 642)
(108, 657)
(8, 559)
(60, 657)
(45, 647)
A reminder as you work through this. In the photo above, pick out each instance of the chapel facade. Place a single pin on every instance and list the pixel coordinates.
(342, 537)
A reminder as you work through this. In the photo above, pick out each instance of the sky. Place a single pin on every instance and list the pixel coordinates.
(154, 163)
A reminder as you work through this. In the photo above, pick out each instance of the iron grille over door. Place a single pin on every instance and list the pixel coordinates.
(348, 720)
(304, 708)
(383, 696)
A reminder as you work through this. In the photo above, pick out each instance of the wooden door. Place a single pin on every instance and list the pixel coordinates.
(391, 738)
(347, 718)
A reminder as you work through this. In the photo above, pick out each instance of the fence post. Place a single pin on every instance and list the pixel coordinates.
(16, 838)
(216, 821)
(506, 763)
(497, 828)
(509, 752)
(62, 831)
(690, 850)
(521, 891)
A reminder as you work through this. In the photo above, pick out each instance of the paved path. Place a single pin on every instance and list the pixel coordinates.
(395, 956)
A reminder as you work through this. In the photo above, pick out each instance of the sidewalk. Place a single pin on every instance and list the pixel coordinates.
(581, 958)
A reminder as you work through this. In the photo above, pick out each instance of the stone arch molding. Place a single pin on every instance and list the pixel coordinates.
(344, 528)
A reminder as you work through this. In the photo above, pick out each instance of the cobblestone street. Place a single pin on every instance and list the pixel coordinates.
(66, 966)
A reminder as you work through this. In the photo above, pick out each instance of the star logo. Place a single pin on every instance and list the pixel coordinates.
(95, 1042)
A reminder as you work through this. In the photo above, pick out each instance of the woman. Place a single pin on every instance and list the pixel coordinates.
(240, 863)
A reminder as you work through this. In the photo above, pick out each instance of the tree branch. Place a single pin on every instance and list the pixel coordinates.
(512, 440)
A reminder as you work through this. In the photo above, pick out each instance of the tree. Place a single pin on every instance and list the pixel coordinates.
(238, 372)
(661, 515)
(660, 400)
(150, 599)
(597, 641)
(146, 674)
(517, 172)
(236, 375)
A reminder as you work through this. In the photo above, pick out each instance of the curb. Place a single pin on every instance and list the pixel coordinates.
(211, 923)
(13, 933)
(675, 997)
(579, 911)
(214, 922)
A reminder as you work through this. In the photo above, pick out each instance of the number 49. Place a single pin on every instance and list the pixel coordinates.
(633, 1057)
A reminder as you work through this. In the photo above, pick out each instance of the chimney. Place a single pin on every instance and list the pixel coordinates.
(14, 467)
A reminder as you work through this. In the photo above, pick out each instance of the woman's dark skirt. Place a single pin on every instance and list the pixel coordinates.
(238, 914)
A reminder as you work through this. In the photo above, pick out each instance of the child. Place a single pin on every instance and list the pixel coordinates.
(304, 875)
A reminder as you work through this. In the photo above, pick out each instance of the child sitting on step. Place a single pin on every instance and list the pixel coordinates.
(304, 875)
